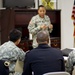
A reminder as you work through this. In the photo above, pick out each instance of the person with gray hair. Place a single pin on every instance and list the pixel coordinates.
(43, 37)
(43, 58)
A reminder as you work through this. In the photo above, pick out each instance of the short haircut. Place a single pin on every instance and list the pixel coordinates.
(42, 36)
(14, 35)
(40, 6)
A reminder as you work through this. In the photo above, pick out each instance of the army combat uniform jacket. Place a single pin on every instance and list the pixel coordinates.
(10, 52)
(34, 26)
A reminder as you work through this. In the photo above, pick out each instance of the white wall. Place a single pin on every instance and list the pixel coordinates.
(67, 39)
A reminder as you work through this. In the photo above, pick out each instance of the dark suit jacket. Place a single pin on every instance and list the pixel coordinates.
(43, 59)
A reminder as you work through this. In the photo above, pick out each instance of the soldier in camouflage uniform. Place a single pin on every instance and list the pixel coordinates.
(10, 52)
(70, 63)
(39, 22)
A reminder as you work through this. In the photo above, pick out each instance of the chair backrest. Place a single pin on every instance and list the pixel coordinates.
(57, 73)
(19, 66)
(73, 72)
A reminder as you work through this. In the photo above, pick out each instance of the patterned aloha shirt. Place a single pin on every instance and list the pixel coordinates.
(70, 62)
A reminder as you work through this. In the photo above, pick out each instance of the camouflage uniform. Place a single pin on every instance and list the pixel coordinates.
(10, 52)
(70, 62)
(34, 26)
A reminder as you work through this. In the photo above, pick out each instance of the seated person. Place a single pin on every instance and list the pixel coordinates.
(9, 50)
(43, 58)
(70, 62)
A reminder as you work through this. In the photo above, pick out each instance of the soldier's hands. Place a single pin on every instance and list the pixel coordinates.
(43, 27)
(50, 26)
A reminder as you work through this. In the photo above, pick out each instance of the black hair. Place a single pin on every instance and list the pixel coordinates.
(40, 6)
(14, 35)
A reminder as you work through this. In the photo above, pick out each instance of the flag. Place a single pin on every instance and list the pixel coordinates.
(73, 17)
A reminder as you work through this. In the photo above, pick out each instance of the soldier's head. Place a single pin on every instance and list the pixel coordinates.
(15, 36)
(43, 37)
(41, 11)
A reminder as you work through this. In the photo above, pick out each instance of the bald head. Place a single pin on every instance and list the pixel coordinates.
(43, 37)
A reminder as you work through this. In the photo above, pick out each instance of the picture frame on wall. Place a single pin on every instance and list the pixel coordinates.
(49, 4)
